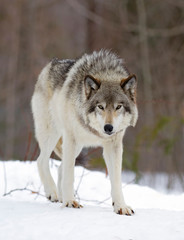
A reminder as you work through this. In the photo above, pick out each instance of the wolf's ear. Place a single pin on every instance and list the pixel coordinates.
(129, 85)
(91, 86)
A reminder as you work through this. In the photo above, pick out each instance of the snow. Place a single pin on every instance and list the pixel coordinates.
(26, 215)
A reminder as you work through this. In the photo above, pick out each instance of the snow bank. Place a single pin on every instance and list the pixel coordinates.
(27, 215)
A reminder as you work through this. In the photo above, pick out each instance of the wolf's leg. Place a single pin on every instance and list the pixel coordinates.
(70, 151)
(59, 183)
(47, 145)
(59, 153)
(112, 152)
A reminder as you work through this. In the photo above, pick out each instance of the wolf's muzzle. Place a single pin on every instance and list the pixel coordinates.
(108, 128)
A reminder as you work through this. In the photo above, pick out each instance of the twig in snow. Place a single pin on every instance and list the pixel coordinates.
(80, 180)
(97, 202)
(76, 191)
(39, 193)
(23, 189)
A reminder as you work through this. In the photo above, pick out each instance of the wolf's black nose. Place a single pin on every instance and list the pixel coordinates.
(108, 129)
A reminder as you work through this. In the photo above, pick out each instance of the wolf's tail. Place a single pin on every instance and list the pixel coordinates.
(58, 149)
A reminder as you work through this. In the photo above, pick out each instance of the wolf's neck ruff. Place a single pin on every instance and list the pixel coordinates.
(87, 127)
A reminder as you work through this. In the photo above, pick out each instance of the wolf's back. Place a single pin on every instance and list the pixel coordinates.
(58, 71)
(53, 76)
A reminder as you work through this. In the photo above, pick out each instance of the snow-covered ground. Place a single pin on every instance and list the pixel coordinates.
(28, 216)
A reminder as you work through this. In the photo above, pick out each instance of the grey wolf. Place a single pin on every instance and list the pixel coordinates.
(80, 103)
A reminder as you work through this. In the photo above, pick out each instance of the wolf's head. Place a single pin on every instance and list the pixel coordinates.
(106, 92)
(111, 106)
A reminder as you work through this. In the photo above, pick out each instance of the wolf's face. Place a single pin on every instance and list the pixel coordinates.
(111, 106)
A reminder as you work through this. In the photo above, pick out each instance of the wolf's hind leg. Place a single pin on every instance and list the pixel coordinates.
(58, 152)
(47, 137)
(46, 147)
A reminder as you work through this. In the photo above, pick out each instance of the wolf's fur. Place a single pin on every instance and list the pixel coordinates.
(85, 102)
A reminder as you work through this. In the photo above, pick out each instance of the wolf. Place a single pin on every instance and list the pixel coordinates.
(86, 102)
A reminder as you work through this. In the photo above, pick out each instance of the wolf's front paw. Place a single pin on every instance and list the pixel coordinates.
(72, 204)
(52, 197)
(123, 209)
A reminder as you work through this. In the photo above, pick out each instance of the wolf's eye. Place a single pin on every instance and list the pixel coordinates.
(118, 107)
(101, 107)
